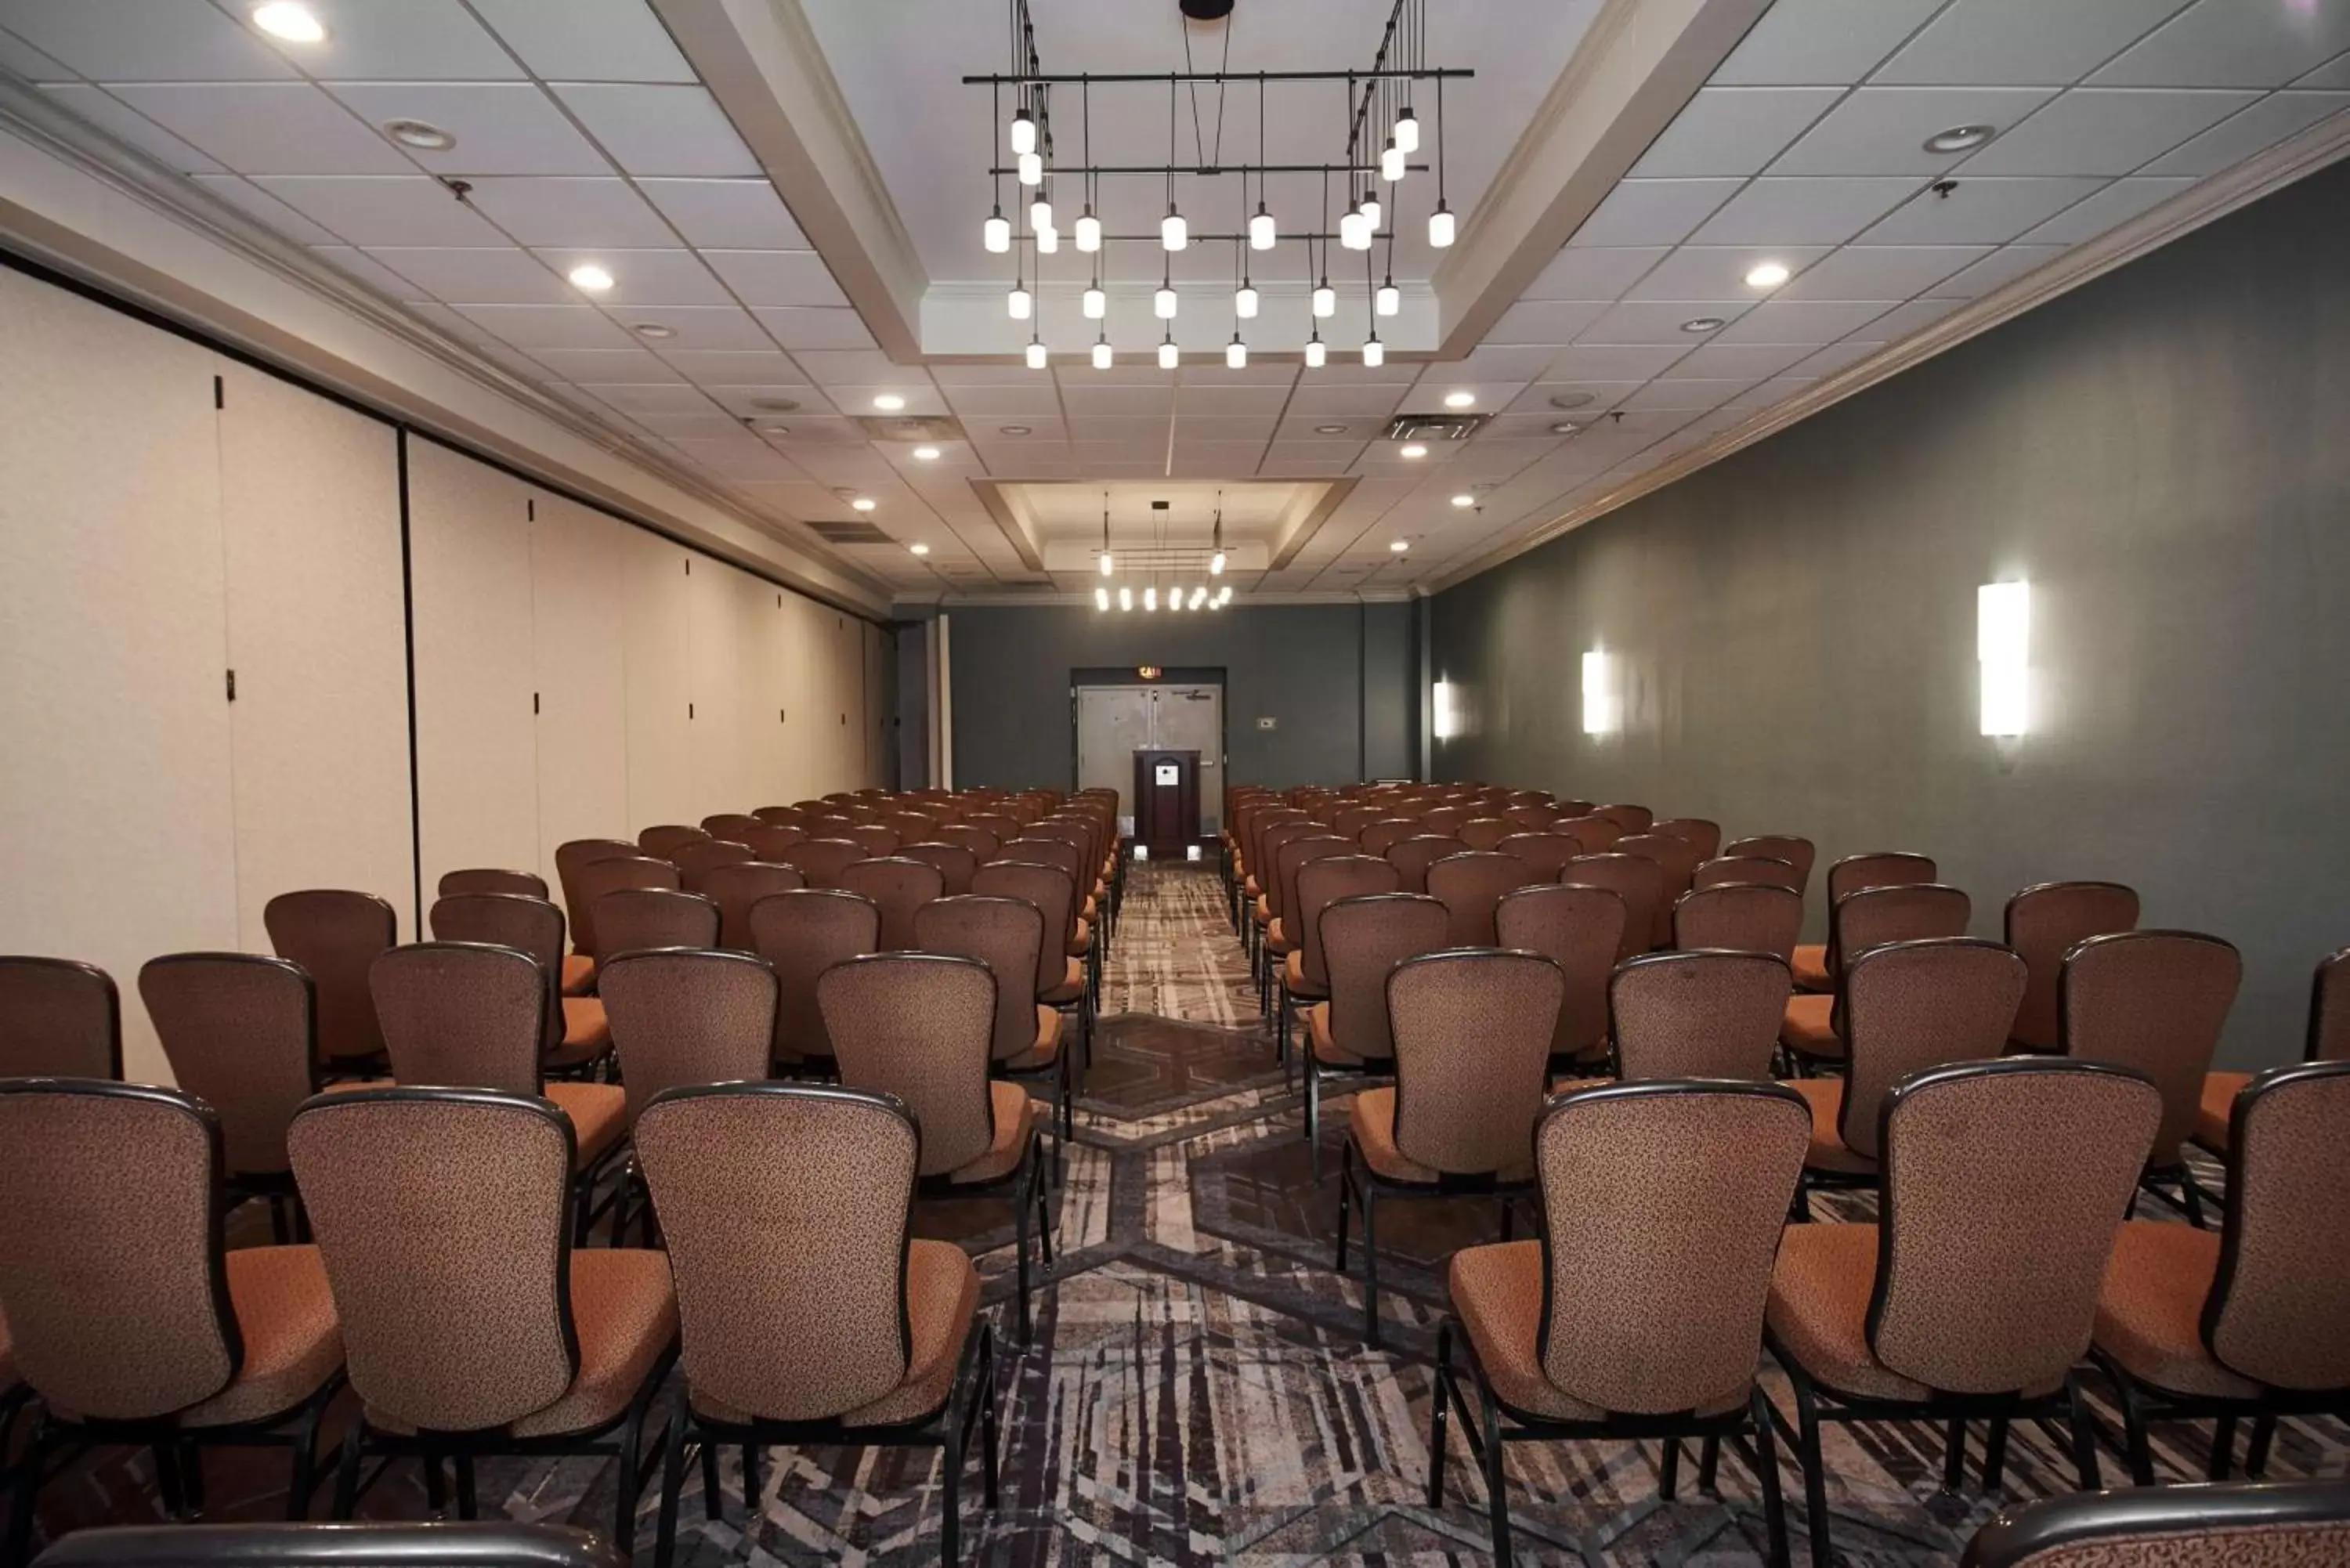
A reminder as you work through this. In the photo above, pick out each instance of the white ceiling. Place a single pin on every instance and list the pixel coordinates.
(586, 134)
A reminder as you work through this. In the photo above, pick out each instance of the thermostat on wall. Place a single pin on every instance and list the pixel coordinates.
(1268, 723)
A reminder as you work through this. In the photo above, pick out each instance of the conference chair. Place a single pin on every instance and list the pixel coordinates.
(1362, 938)
(1385, 832)
(1677, 861)
(1060, 977)
(1974, 1298)
(665, 840)
(982, 843)
(1795, 851)
(1746, 916)
(780, 815)
(1546, 853)
(858, 1335)
(1469, 886)
(59, 1018)
(474, 1327)
(336, 935)
(768, 840)
(1283, 937)
(1597, 835)
(1712, 1015)
(1636, 1312)
(1530, 818)
(598, 880)
(379, 1544)
(1735, 870)
(898, 887)
(1631, 818)
(1705, 835)
(1412, 856)
(697, 860)
(822, 860)
(2045, 922)
(872, 837)
(578, 1036)
(2305, 1524)
(801, 934)
(127, 1315)
(1637, 880)
(1305, 973)
(1008, 935)
(1484, 832)
(579, 965)
(631, 918)
(735, 888)
(1814, 1031)
(2328, 1040)
(1814, 963)
(488, 880)
(1472, 1035)
(1580, 930)
(731, 825)
(1445, 820)
(953, 862)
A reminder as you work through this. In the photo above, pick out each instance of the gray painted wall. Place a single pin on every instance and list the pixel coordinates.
(2164, 453)
(1302, 666)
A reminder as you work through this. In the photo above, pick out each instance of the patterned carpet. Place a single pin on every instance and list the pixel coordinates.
(1199, 1391)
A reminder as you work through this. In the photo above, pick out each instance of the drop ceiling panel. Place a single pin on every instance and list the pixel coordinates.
(660, 129)
(501, 128)
(1655, 322)
(588, 40)
(777, 277)
(1812, 322)
(364, 268)
(1880, 272)
(1997, 270)
(399, 40)
(699, 326)
(1915, 316)
(144, 40)
(752, 368)
(2105, 130)
(1586, 395)
(1692, 397)
(530, 326)
(2025, 41)
(1546, 321)
(2115, 204)
(1716, 272)
(28, 62)
(2231, 42)
(1653, 212)
(267, 128)
(118, 120)
(1978, 211)
(1732, 130)
(477, 276)
(799, 328)
(1822, 40)
(1838, 357)
(2249, 131)
(1621, 362)
(1744, 362)
(646, 277)
(382, 209)
(570, 211)
(1774, 212)
(735, 215)
(1883, 131)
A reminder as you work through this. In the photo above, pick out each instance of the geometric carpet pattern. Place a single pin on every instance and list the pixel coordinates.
(1199, 1390)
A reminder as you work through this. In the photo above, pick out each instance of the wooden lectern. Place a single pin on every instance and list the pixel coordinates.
(1166, 802)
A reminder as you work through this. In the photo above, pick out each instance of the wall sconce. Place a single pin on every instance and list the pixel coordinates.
(2003, 649)
(1601, 715)
(1446, 716)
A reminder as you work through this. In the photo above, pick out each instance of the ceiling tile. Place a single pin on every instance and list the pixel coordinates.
(144, 40)
(633, 365)
(1802, 211)
(797, 327)
(1822, 40)
(1193, 430)
(1997, 270)
(1264, 373)
(1007, 402)
(481, 276)
(1762, 395)
(401, 40)
(1652, 212)
(1589, 395)
(1543, 321)
(1734, 131)
(1594, 272)
(364, 268)
(1718, 272)
(24, 60)
(734, 215)
(588, 40)
(1917, 315)
(847, 367)
(126, 124)
(809, 405)
(533, 326)
(2252, 131)
(1879, 272)
(501, 128)
(659, 398)
(1801, 321)
(696, 326)
(267, 127)
(2115, 204)
(1742, 362)
(1654, 321)
(2105, 131)
(1978, 211)
(645, 276)
(1237, 399)
(1837, 356)
(2335, 74)
(777, 277)
(734, 367)
(2222, 42)
(655, 130)
(1625, 362)
(382, 209)
(544, 211)
(2028, 42)
(1428, 396)
(1684, 397)
(1317, 401)
(1883, 131)
(1118, 401)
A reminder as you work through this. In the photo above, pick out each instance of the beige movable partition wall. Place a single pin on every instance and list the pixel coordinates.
(580, 563)
(879, 694)
(656, 636)
(761, 692)
(716, 641)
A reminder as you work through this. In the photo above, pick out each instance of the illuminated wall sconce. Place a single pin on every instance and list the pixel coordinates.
(1444, 709)
(2003, 649)
(1601, 715)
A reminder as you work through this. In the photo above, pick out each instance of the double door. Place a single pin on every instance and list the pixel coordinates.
(1116, 722)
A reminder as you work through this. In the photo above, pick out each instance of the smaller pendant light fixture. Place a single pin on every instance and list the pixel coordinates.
(1021, 304)
(1167, 356)
(1216, 561)
(1326, 298)
(1162, 300)
(1262, 230)
(1236, 353)
(1088, 231)
(1317, 353)
(1101, 352)
(1036, 359)
(1174, 233)
(1407, 131)
(996, 233)
(1107, 567)
(1375, 353)
(1388, 300)
(1023, 132)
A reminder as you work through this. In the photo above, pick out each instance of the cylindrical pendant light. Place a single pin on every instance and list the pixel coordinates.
(1095, 302)
(996, 233)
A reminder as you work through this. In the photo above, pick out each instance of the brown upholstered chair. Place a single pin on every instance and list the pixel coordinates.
(786, 816)
(1637, 1312)
(335, 935)
(2157, 1001)
(852, 1333)
(1745, 917)
(1815, 963)
(1484, 832)
(1320, 882)
(2247, 1323)
(920, 1028)
(1707, 1014)
(688, 1016)
(1736, 870)
(2301, 1524)
(473, 1326)
(127, 1314)
(1635, 878)
(1580, 929)
(1445, 820)
(1385, 832)
(1704, 833)
(822, 860)
(597, 879)
(1597, 835)
(1905, 912)
(696, 861)
(2045, 922)
(2328, 1040)
(485, 879)
(1631, 818)
(872, 837)
(800, 935)
(630, 919)
(1412, 856)
(1546, 853)
(579, 965)
(1469, 886)
(1008, 935)
(731, 825)
(1795, 851)
(579, 1037)
(768, 840)
(2005, 1184)
(953, 862)
(1359, 937)
(1060, 977)
(738, 885)
(666, 839)
(1471, 1032)
(899, 889)
(1677, 861)
(58, 1019)
(1909, 1007)
(1530, 818)
(982, 843)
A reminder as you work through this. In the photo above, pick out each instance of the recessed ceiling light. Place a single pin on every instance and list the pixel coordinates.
(1769, 274)
(1011, 430)
(926, 454)
(1702, 324)
(888, 402)
(775, 405)
(285, 19)
(417, 134)
(1961, 138)
(919, 548)
(1460, 399)
(864, 503)
(590, 278)
(774, 430)
(1465, 499)
(1399, 545)
(1572, 399)
(1329, 430)
(1565, 427)
(653, 329)
(1415, 450)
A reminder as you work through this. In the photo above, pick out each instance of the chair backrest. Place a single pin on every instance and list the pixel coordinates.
(1897, 912)
(532, 927)
(1580, 929)
(872, 837)
(791, 1308)
(1049, 888)
(1530, 818)
(1677, 860)
(444, 1218)
(112, 1257)
(687, 1017)
(667, 839)
(1911, 1006)
(800, 935)
(1884, 868)
(577, 905)
(2278, 1304)
(1385, 832)
(1412, 856)
(485, 879)
(1485, 832)
(1000, 825)
(463, 1013)
(1737, 871)
(2005, 1184)
(899, 887)
(1795, 851)
(783, 816)
(1322, 882)
(953, 862)
(1445, 820)
(822, 860)
(731, 825)
(1363, 938)
(1005, 934)
(1546, 853)
(1631, 818)
(768, 840)
(1054, 852)
(918, 1026)
(2154, 1001)
(1267, 866)
(2329, 1010)
(58, 1019)
(1748, 917)
(1708, 1014)
(1635, 878)
(1662, 1204)
(1699, 831)
(596, 879)
(1468, 885)
(239, 1031)
(738, 885)
(1597, 835)
(696, 861)
(633, 919)
(335, 935)
(1473, 1034)
(1294, 855)
(982, 843)
(2045, 922)
(2299, 1524)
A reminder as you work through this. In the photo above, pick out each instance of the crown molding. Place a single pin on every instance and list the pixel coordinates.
(2326, 143)
(1039, 598)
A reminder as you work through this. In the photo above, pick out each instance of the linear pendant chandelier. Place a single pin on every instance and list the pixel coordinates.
(1213, 594)
(1377, 137)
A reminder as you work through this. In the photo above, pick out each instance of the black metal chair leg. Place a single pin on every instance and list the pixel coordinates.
(1370, 1263)
(672, 1481)
(750, 1480)
(1019, 1241)
(2256, 1452)
(713, 1501)
(987, 1434)
(1669, 1476)
(26, 1486)
(167, 1481)
(1436, 1415)
(1954, 1459)
(1497, 1499)
(1816, 1486)
(1766, 1473)
(1994, 1464)
(347, 1472)
(2085, 1436)
(468, 1504)
(1346, 1183)
(951, 1493)
(1709, 1464)
(2141, 1457)
(2223, 1449)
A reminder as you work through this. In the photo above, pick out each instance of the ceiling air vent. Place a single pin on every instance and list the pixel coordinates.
(910, 427)
(1434, 427)
(848, 533)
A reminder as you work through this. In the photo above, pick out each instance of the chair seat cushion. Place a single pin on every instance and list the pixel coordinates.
(626, 1312)
(1371, 1116)
(2219, 1092)
(1293, 975)
(1818, 1310)
(1828, 1152)
(578, 974)
(1082, 942)
(1806, 1028)
(587, 1032)
(2150, 1310)
(1325, 1044)
(1048, 1048)
(599, 1112)
(1811, 966)
(1072, 986)
(1009, 1106)
(941, 1295)
(293, 1340)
